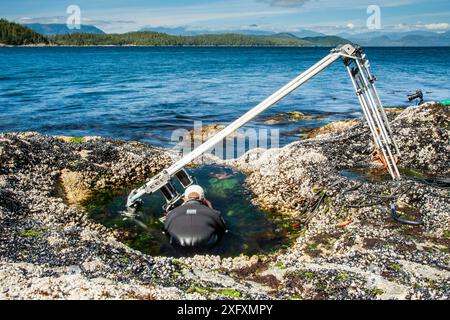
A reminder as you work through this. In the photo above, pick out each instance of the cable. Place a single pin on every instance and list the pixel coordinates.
(353, 188)
(397, 217)
(391, 197)
(314, 210)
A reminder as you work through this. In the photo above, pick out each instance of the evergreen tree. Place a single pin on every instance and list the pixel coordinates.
(16, 34)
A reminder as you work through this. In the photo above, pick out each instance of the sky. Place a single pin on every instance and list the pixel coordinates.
(327, 16)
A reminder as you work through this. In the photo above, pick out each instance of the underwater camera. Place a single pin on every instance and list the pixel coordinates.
(171, 191)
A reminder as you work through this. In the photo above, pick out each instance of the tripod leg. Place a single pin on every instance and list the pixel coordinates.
(374, 124)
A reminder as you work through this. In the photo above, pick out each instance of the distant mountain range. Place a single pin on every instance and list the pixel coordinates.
(400, 39)
(183, 31)
(375, 38)
(60, 28)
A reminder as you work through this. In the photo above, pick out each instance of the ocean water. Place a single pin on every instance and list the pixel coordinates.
(142, 93)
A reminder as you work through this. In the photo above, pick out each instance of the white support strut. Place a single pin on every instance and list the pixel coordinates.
(365, 90)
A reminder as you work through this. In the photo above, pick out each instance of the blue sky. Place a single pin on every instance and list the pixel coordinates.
(328, 16)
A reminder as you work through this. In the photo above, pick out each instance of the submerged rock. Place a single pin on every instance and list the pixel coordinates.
(205, 132)
(288, 116)
(197, 136)
(394, 109)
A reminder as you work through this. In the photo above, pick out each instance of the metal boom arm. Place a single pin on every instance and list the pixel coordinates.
(363, 82)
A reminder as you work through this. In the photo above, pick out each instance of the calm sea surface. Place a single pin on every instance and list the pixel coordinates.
(144, 94)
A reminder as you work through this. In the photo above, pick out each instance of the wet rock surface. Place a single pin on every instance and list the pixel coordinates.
(349, 248)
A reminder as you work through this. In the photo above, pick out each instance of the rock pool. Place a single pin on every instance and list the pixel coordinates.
(251, 230)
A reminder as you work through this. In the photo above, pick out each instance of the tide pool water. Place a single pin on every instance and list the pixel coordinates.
(144, 93)
(251, 230)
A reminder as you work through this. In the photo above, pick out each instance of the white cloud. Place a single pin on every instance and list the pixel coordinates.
(350, 25)
(63, 20)
(285, 3)
(437, 26)
(44, 20)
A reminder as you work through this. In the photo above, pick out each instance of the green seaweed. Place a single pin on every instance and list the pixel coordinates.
(396, 267)
(77, 139)
(343, 276)
(444, 249)
(431, 283)
(179, 264)
(308, 275)
(31, 233)
(221, 188)
(230, 213)
(206, 291)
(230, 292)
(225, 184)
(409, 172)
(376, 291)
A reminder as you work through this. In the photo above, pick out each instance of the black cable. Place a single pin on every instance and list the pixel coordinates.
(442, 184)
(353, 188)
(438, 182)
(393, 210)
(314, 209)
(397, 217)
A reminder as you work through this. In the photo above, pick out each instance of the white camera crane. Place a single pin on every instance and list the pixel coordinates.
(364, 83)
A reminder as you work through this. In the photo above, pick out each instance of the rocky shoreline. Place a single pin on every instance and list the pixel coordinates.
(350, 249)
